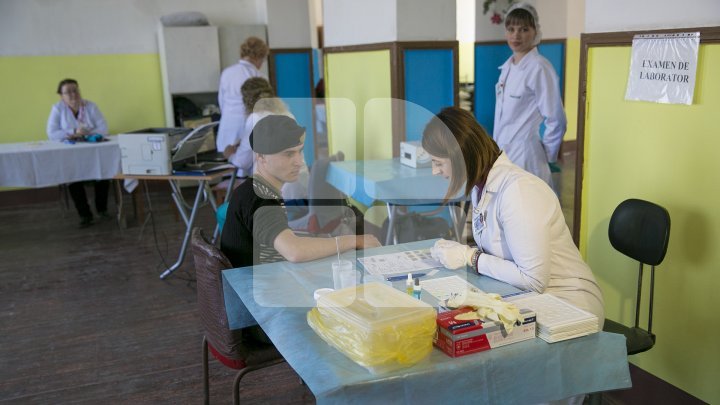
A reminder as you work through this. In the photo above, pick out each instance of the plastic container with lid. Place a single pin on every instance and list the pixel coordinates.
(375, 325)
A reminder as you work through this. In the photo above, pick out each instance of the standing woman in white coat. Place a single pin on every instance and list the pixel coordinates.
(72, 119)
(528, 92)
(232, 119)
(518, 226)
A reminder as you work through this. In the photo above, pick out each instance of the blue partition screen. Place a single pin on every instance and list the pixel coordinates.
(429, 87)
(317, 67)
(555, 53)
(488, 58)
(294, 86)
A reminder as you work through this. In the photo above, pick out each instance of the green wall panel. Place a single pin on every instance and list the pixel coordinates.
(666, 154)
(358, 94)
(127, 88)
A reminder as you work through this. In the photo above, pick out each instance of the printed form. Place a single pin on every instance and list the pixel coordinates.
(398, 263)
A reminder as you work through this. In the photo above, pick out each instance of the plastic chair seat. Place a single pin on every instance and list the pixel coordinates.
(637, 340)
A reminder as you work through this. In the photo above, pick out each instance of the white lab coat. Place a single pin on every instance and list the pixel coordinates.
(519, 225)
(525, 94)
(232, 109)
(62, 122)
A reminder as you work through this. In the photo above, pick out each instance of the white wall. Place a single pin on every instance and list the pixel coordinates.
(465, 17)
(353, 22)
(551, 13)
(426, 20)
(575, 18)
(553, 17)
(67, 27)
(317, 9)
(623, 15)
(289, 24)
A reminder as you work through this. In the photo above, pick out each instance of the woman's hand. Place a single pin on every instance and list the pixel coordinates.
(230, 150)
(80, 132)
(451, 254)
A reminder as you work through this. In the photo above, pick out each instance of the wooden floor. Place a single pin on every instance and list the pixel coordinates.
(84, 317)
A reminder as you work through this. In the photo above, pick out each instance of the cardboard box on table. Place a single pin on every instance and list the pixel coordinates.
(459, 338)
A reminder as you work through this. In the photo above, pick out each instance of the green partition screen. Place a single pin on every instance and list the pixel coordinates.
(355, 78)
(666, 154)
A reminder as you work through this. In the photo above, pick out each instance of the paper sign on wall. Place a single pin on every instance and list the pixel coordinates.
(663, 67)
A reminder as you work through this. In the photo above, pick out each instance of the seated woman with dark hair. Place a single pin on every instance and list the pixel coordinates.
(74, 118)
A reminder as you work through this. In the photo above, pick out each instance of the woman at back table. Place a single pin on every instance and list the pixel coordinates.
(526, 94)
(259, 101)
(73, 118)
(232, 109)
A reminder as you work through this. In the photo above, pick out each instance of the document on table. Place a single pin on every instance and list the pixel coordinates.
(445, 287)
(399, 263)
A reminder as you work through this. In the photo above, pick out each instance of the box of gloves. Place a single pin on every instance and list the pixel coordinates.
(460, 337)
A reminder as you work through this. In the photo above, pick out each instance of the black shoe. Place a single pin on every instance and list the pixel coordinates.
(85, 222)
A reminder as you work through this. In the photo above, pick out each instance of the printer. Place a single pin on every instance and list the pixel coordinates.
(154, 151)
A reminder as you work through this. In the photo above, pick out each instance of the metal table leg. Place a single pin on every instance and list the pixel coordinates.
(189, 225)
(391, 236)
(121, 220)
(458, 214)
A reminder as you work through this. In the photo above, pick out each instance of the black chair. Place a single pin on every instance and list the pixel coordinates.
(641, 230)
(233, 348)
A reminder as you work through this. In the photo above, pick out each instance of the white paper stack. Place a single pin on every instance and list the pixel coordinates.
(557, 320)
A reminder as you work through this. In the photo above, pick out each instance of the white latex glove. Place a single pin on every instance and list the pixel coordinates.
(487, 306)
(451, 254)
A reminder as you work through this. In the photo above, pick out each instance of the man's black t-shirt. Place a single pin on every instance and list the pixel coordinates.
(255, 217)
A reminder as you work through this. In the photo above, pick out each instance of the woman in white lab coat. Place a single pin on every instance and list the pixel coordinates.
(517, 223)
(232, 119)
(259, 101)
(527, 93)
(73, 119)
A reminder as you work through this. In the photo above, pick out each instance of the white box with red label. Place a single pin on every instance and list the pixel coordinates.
(458, 338)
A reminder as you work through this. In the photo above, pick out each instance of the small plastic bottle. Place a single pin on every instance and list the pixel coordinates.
(416, 289)
(409, 284)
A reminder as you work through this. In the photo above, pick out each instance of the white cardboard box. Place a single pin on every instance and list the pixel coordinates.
(412, 154)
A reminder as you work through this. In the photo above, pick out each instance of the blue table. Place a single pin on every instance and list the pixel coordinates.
(279, 296)
(394, 184)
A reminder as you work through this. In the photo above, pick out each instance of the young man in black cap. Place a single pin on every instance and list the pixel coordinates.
(256, 228)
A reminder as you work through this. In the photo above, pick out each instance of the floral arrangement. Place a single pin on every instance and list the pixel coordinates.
(498, 16)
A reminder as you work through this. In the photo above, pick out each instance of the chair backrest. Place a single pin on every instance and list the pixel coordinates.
(641, 230)
(320, 192)
(329, 207)
(209, 263)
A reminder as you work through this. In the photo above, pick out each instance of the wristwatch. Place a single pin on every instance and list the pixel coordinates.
(474, 259)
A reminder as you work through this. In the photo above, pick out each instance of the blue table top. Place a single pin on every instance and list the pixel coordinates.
(279, 295)
(388, 181)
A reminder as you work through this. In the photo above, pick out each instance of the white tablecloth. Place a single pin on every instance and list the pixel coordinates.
(48, 163)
